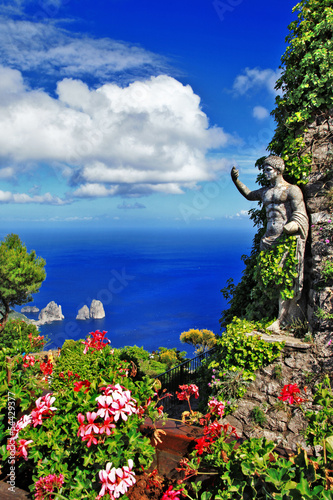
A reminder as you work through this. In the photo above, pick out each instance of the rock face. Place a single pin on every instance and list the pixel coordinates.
(83, 313)
(29, 309)
(283, 423)
(52, 312)
(97, 310)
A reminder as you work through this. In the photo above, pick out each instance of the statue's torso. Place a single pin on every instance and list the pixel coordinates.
(278, 212)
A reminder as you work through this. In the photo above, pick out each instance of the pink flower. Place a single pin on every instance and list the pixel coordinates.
(107, 478)
(28, 360)
(172, 494)
(125, 478)
(107, 426)
(116, 481)
(90, 438)
(22, 448)
(329, 342)
(327, 241)
(104, 404)
(91, 426)
(115, 403)
(82, 429)
(43, 409)
(45, 486)
(217, 406)
(21, 424)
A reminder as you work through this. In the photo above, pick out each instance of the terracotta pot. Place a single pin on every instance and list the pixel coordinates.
(177, 442)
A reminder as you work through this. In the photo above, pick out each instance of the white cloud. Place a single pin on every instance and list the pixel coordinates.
(31, 46)
(150, 136)
(7, 172)
(260, 112)
(21, 198)
(256, 78)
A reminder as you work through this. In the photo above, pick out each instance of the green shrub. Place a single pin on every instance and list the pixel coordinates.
(258, 415)
(20, 336)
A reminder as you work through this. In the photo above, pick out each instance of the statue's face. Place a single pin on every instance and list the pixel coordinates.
(270, 172)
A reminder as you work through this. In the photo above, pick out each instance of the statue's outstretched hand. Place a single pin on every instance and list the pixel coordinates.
(234, 173)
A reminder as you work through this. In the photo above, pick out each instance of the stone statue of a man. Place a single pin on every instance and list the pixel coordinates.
(285, 212)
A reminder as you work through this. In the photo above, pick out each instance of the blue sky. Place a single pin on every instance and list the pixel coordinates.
(120, 112)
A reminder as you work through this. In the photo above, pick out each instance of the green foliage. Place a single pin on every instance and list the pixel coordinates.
(306, 83)
(277, 372)
(202, 340)
(277, 267)
(268, 275)
(136, 355)
(249, 298)
(258, 415)
(327, 270)
(320, 422)
(88, 366)
(231, 385)
(21, 274)
(152, 364)
(170, 357)
(254, 470)
(231, 369)
(237, 350)
(20, 336)
(325, 315)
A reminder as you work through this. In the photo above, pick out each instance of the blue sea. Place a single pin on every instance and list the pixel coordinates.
(154, 283)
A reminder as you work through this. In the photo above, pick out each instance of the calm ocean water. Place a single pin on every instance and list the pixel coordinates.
(154, 283)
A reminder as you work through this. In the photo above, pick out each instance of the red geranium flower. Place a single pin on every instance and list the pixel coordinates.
(289, 393)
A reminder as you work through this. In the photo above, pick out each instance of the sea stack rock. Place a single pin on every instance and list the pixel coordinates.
(29, 309)
(83, 313)
(97, 310)
(52, 312)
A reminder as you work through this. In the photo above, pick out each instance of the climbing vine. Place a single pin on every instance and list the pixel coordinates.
(277, 267)
(306, 83)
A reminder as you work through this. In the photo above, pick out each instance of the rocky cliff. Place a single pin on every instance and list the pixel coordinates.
(52, 312)
(96, 311)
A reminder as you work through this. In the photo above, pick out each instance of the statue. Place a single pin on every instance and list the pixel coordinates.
(286, 213)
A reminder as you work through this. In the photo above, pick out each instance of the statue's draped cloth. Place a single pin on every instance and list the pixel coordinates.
(269, 241)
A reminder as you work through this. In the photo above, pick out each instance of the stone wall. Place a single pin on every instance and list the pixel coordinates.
(319, 142)
(300, 364)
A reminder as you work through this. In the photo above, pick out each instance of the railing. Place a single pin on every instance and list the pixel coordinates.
(180, 375)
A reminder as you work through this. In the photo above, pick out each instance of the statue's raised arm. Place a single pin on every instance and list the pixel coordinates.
(244, 190)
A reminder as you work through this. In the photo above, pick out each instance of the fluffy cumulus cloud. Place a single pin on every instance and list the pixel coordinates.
(256, 78)
(260, 112)
(149, 136)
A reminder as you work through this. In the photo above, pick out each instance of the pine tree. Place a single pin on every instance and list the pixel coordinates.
(21, 274)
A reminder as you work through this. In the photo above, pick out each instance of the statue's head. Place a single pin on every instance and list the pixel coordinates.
(275, 162)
